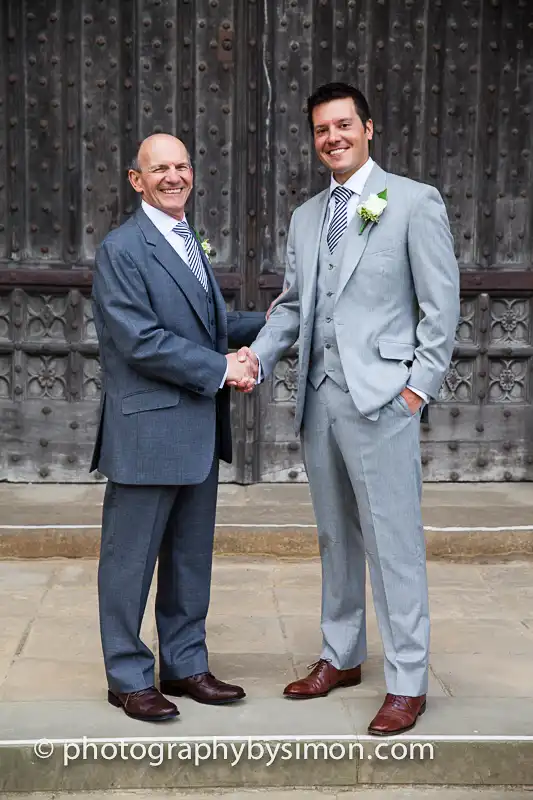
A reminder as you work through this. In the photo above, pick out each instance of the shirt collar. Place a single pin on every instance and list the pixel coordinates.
(357, 182)
(163, 222)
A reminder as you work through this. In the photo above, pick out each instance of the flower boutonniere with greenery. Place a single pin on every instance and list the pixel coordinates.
(204, 243)
(372, 209)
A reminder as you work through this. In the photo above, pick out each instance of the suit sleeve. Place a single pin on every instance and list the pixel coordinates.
(243, 327)
(122, 297)
(436, 281)
(283, 326)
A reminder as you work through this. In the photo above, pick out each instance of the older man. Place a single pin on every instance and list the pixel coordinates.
(164, 334)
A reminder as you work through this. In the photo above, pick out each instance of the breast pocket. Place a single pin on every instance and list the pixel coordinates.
(381, 251)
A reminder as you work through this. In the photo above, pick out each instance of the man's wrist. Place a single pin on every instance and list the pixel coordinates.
(423, 396)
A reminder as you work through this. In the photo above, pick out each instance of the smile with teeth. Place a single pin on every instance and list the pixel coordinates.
(338, 151)
(172, 191)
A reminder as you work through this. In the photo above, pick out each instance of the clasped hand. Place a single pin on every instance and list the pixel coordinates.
(243, 369)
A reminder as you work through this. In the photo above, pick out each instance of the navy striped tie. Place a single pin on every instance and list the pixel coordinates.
(193, 252)
(339, 221)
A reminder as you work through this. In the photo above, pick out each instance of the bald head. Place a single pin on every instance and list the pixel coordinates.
(155, 141)
(162, 173)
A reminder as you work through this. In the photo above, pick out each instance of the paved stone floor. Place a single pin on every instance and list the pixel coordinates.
(263, 630)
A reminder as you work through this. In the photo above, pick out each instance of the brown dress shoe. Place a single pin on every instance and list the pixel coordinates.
(321, 680)
(204, 688)
(398, 714)
(148, 705)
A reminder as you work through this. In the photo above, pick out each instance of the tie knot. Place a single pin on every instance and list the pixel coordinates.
(182, 228)
(342, 194)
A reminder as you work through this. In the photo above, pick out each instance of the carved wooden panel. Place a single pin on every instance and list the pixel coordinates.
(481, 428)
(49, 385)
(278, 449)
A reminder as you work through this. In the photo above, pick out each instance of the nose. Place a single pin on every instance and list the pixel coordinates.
(172, 175)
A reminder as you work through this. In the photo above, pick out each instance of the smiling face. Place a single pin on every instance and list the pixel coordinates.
(341, 139)
(165, 176)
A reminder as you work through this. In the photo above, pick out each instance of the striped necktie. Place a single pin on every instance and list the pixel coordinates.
(193, 252)
(339, 221)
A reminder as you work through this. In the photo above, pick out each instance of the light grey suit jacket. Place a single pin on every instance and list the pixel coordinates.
(397, 302)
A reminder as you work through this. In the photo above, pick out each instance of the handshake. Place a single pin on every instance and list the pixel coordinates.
(243, 369)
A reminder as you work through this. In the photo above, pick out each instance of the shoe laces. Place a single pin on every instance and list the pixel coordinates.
(319, 663)
(400, 700)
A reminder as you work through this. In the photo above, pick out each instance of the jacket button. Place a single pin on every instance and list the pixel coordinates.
(328, 319)
(330, 294)
(328, 347)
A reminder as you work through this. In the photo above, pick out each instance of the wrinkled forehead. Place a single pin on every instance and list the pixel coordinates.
(164, 152)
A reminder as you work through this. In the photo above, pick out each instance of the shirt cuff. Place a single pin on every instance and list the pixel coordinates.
(419, 392)
(224, 379)
(260, 377)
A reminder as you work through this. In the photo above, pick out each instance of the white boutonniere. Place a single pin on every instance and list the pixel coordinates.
(372, 209)
(204, 243)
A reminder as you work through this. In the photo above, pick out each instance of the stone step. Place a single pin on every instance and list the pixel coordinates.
(264, 743)
(397, 793)
(462, 521)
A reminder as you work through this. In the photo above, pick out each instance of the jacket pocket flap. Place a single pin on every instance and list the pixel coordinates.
(149, 400)
(399, 351)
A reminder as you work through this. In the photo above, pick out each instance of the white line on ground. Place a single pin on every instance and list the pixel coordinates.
(269, 525)
(269, 738)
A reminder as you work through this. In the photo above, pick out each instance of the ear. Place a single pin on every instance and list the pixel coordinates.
(135, 180)
(369, 130)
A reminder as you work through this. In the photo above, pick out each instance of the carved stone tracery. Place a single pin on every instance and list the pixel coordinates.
(286, 380)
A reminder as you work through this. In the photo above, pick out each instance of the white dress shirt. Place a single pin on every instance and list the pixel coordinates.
(356, 184)
(164, 224)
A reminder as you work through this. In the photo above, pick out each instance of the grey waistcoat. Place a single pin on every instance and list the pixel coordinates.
(325, 359)
(207, 301)
(210, 303)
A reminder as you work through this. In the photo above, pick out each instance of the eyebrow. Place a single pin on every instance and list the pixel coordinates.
(336, 121)
(158, 166)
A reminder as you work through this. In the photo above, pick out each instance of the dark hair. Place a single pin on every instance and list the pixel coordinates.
(338, 91)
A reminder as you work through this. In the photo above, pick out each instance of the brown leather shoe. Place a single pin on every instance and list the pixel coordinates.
(148, 705)
(398, 714)
(321, 680)
(204, 688)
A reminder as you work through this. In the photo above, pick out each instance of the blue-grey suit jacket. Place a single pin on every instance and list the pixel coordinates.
(161, 411)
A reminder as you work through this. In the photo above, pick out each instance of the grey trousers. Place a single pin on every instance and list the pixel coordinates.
(365, 483)
(141, 524)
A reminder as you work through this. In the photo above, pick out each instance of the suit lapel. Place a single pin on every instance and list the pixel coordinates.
(174, 265)
(310, 253)
(355, 243)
